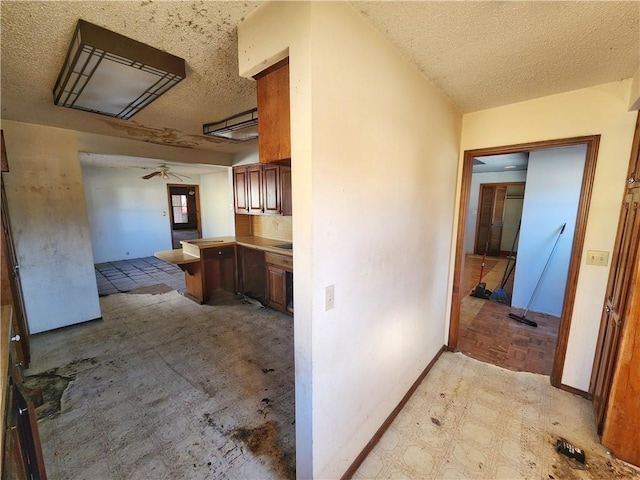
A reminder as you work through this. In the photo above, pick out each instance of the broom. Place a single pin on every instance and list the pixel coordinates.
(523, 318)
(499, 294)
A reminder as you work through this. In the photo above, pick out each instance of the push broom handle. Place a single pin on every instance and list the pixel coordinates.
(544, 269)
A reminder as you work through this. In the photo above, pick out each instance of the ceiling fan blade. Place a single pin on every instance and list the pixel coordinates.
(150, 175)
(179, 176)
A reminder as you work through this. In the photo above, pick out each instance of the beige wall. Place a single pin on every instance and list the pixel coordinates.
(50, 226)
(590, 111)
(374, 165)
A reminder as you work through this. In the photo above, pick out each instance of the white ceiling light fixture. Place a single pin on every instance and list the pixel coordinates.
(107, 73)
(240, 128)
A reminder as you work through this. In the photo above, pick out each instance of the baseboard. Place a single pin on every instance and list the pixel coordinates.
(383, 428)
(576, 391)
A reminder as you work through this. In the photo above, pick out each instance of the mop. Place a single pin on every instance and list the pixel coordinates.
(523, 318)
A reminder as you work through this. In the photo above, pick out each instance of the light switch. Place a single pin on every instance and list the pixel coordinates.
(329, 297)
(597, 257)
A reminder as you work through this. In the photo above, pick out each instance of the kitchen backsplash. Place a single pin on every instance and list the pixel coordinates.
(270, 226)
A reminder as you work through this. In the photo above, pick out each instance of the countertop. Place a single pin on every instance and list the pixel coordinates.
(190, 254)
(266, 244)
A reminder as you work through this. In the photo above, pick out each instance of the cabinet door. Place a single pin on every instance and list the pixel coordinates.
(271, 189)
(240, 190)
(285, 183)
(254, 190)
(274, 142)
(276, 287)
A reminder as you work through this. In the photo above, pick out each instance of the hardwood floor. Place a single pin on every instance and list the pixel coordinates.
(489, 335)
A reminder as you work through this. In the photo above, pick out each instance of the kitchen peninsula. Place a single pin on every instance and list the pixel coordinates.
(219, 263)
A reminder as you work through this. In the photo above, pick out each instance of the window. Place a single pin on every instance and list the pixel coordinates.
(180, 211)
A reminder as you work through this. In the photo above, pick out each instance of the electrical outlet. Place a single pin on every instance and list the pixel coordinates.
(329, 297)
(597, 257)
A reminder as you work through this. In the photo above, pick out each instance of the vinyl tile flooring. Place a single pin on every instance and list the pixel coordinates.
(127, 275)
(472, 420)
(488, 334)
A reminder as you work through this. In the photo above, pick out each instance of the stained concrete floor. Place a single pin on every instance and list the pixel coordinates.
(163, 388)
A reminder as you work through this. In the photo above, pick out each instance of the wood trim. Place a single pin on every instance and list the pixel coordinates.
(592, 142)
(575, 391)
(272, 68)
(576, 256)
(385, 425)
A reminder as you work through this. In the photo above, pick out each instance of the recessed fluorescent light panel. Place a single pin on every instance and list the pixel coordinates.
(108, 73)
(239, 128)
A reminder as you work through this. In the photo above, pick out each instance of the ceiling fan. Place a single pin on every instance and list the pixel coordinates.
(163, 172)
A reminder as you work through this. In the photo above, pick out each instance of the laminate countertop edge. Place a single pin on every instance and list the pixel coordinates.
(179, 257)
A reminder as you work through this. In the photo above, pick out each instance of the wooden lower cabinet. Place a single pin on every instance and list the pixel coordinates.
(251, 272)
(215, 270)
(20, 446)
(279, 288)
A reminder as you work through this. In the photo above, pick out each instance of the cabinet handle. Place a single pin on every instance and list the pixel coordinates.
(22, 411)
(15, 338)
(632, 179)
(608, 309)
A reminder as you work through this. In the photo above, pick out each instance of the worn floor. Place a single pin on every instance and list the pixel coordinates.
(163, 388)
(473, 420)
(139, 273)
(488, 334)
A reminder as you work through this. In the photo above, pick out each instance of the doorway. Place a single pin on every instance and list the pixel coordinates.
(575, 245)
(184, 213)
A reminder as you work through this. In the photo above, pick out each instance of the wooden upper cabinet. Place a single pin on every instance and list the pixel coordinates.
(261, 189)
(240, 190)
(274, 117)
(272, 189)
(255, 190)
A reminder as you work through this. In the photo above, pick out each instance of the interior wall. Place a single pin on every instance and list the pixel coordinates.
(554, 180)
(128, 217)
(380, 214)
(474, 195)
(597, 110)
(50, 226)
(216, 204)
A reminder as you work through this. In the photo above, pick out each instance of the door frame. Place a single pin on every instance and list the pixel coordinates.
(592, 143)
(197, 203)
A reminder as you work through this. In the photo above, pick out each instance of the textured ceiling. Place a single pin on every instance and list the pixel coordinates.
(481, 54)
(486, 54)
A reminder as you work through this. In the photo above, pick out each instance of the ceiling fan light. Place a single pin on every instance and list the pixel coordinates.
(107, 73)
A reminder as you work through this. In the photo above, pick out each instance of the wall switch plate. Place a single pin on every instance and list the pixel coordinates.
(597, 257)
(329, 297)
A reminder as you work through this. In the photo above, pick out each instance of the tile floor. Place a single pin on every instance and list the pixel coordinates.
(126, 275)
(472, 420)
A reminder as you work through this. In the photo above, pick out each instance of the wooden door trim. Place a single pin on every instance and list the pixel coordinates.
(592, 143)
(196, 188)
